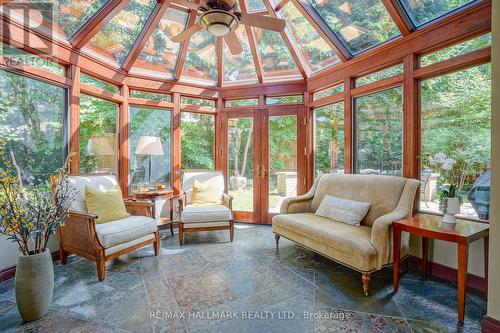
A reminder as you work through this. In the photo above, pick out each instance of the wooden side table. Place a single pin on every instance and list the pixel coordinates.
(430, 226)
(160, 194)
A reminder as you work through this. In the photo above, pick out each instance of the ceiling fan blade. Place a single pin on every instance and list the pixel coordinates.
(187, 4)
(233, 43)
(265, 22)
(186, 33)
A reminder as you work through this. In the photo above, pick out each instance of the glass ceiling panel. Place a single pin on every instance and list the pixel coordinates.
(201, 58)
(360, 24)
(314, 49)
(160, 53)
(239, 68)
(117, 37)
(255, 5)
(276, 60)
(423, 11)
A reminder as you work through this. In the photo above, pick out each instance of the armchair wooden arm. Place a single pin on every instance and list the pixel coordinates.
(227, 200)
(181, 197)
(142, 208)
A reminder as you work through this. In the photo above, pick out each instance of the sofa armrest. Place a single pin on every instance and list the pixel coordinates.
(381, 236)
(181, 199)
(300, 204)
(139, 208)
(78, 232)
(227, 200)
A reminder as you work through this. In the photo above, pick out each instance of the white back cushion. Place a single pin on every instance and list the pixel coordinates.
(343, 210)
(189, 177)
(78, 183)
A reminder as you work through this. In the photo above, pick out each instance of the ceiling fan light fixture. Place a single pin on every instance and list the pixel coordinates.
(218, 22)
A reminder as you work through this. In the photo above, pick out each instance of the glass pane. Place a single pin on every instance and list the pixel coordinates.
(198, 101)
(239, 68)
(255, 5)
(14, 55)
(423, 11)
(282, 160)
(98, 83)
(241, 102)
(160, 53)
(469, 46)
(360, 24)
(72, 14)
(151, 129)
(151, 95)
(98, 145)
(201, 58)
(284, 100)
(277, 62)
(329, 139)
(197, 140)
(328, 92)
(379, 133)
(32, 124)
(314, 49)
(240, 163)
(380, 75)
(115, 40)
(456, 124)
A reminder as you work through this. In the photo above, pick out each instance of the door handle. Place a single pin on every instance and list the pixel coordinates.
(264, 172)
(258, 171)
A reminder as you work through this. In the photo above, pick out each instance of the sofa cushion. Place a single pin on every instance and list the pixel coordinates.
(343, 210)
(196, 214)
(108, 205)
(340, 241)
(383, 192)
(207, 193)
(124, 230)
(78, 183)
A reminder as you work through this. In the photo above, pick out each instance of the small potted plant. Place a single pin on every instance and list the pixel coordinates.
(452, 173)
(29, 214)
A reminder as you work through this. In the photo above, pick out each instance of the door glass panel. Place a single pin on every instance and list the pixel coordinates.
(282, 160)
(240, 163)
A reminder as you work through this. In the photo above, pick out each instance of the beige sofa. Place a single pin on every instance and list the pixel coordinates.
(366, 248)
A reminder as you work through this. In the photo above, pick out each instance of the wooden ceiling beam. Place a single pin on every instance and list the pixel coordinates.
(310, 14)
(280, 5)
(218, 46)
(150, 26)
(97, 22)
(184, 46)
(253, 45)
(292, 47)
(399, 16)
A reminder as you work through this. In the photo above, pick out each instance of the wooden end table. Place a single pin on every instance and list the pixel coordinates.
(159, 194)
(431, 227)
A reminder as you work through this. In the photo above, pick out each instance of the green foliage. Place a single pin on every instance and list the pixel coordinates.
(424, 11)
(197, 141)
(282, 141)
(329, 138)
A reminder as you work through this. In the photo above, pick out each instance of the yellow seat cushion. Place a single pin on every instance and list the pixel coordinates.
(208, 193)
(107, 205)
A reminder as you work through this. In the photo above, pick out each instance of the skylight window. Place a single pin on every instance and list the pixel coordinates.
(424, 11)
(239, 68)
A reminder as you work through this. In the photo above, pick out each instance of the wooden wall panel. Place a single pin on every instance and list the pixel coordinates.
(74, 119)
(176, 144)
(123, 142)
(411, 119)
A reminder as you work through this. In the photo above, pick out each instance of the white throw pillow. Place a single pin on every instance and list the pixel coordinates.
(343, 210)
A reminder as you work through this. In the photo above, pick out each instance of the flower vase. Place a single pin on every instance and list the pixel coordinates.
(452, 208)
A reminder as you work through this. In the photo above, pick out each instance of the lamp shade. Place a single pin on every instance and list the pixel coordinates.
(149, 145)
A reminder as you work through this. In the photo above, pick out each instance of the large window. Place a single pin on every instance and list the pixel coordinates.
(150, 147)
(98, 144)
(379, 132)
(329, 139)
(197, 141)
(456, 125)
(32, 124)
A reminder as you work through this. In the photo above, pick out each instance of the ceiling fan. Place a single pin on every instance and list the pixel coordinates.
(221, 18)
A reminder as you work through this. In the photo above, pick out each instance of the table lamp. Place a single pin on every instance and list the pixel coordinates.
(149, 145)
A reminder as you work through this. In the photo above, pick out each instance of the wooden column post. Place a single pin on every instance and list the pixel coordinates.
(411, 119)
(123, 142)
(74, 119)
(349, 141)
(176, 141)
(309, 134)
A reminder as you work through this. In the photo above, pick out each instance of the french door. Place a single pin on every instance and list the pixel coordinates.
(264, 160)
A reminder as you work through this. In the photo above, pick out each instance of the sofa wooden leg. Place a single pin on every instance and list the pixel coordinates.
(63, 256)
(231, 230)
(101, 269)
(366, 277)
(156, 244)
(181, 233)
(277, 237)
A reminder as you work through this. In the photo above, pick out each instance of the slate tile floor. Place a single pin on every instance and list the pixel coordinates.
(215, 283)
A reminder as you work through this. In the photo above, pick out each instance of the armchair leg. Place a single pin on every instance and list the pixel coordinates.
(181, 233)
(277, 237)
(63, 256)
(231, 230)
(101, 269)
(365, 278)
(156, 244)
